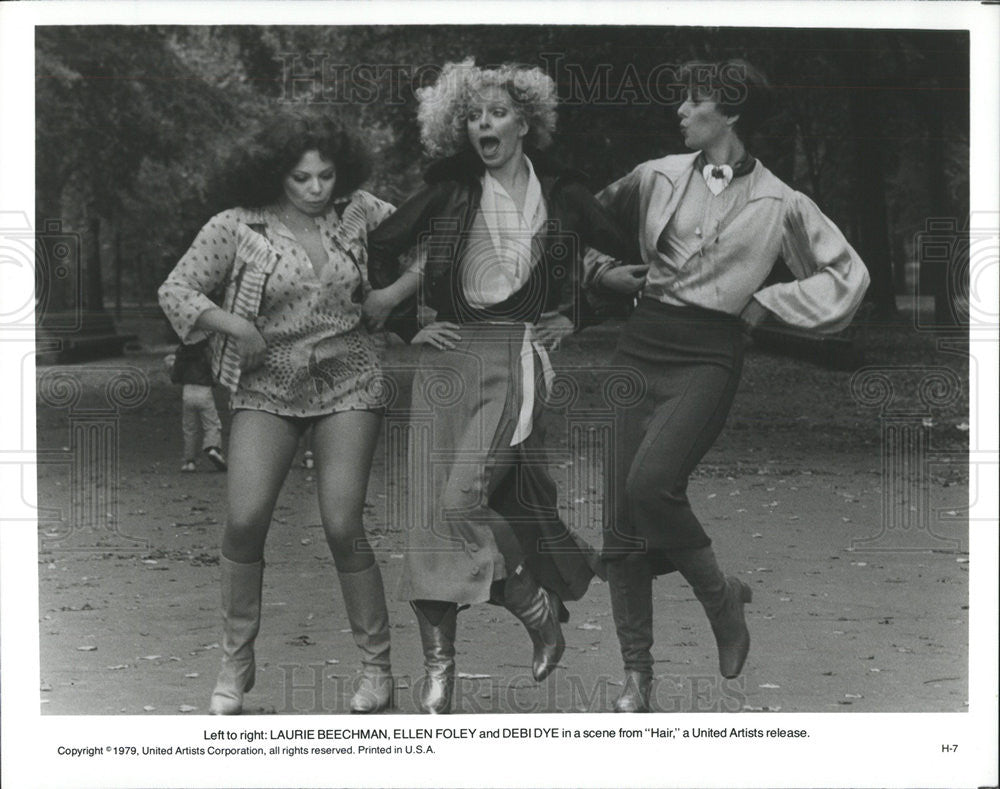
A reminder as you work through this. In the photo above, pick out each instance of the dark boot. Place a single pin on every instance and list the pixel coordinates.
(241, 586)
(364, 598)
(631, 583)
(723, 600)
(438, 641)
(536, 609)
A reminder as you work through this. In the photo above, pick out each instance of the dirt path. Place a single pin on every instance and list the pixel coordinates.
(794, 482)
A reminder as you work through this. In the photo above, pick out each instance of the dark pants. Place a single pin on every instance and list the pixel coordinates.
(687, 362)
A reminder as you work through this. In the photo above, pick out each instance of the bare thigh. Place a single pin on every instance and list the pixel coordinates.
(261, 448)
(343, 445)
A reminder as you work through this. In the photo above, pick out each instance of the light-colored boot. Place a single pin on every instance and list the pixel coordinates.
(241, 587)
(723, 600)
(364, 598)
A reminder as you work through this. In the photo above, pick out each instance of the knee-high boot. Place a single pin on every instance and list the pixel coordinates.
(437, 635)
(364, 598)
(241, 587)
(631, 584)
(723, 600)
(533, 605)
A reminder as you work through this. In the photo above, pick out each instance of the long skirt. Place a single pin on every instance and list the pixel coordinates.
(483, 506)
(688, 362)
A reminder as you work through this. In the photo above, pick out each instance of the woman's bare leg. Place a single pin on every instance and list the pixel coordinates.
(261, 449)
(344, 444)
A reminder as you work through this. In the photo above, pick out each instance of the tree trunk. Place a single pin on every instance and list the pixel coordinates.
(118, 273)
(92, 262)
(934, 273)
(868, 124)
(139, 281)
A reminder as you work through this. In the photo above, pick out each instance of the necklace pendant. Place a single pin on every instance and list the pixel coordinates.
(697, 232)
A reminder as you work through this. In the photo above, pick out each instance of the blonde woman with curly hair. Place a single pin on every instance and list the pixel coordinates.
(501, 228)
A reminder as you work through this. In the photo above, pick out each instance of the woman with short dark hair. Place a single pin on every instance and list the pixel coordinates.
(711, 225)
(289, 345)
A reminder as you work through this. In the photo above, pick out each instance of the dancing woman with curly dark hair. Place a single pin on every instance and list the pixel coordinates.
(289, 345)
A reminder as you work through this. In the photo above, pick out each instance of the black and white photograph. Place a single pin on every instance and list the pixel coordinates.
(371, 361)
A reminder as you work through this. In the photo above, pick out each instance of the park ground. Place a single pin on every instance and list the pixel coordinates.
(859, 573)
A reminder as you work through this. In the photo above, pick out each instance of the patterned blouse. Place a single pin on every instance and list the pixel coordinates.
(319, 359)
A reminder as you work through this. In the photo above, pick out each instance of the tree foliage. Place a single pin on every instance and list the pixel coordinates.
(133, 121)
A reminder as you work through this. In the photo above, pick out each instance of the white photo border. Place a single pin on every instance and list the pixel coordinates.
(858, 749)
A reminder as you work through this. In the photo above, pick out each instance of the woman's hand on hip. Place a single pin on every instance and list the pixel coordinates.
(442, 335)
(551, 328)
(624, 279)
(753, 314)
(251, 346)
(375, 309)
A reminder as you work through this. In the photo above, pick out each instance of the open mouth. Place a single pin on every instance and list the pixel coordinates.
(489, 145)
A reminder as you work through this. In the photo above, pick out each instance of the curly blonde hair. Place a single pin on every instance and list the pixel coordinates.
(445, 104)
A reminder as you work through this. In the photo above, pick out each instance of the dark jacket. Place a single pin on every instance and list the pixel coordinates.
(439, 216)
(191, 365)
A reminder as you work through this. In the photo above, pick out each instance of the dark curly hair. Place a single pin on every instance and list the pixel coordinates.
(252, 176)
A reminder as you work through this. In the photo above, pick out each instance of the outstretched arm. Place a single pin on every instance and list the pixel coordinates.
(611, 264)
(380, 303)
(400, 231)
(611, 271)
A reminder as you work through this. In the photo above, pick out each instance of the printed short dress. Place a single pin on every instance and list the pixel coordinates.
(319, 359)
